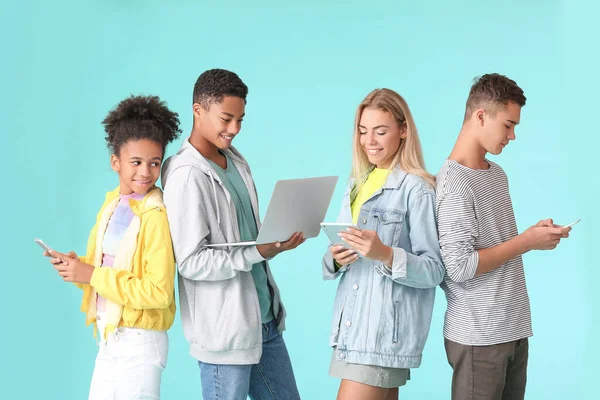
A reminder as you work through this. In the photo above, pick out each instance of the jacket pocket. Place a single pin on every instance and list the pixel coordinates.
(396, 323)
(227, 315)
(336, 325)
(411, 323)
(339, 306)
(343, 322)
(389, 225)
(187, 306)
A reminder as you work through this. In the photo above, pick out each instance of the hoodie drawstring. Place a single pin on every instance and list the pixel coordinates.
(212, 180)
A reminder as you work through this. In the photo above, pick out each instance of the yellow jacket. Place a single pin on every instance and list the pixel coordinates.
(139, 288)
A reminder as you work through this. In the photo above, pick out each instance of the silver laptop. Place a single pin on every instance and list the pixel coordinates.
(297, 205)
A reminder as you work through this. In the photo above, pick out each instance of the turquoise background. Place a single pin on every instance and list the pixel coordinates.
(308, 65)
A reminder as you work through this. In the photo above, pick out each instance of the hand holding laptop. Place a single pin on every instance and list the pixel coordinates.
(269, 250)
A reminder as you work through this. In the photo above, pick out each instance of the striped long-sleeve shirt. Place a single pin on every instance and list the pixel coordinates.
(475, 212)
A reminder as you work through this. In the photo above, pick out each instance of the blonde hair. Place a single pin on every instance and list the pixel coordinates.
(409, 156)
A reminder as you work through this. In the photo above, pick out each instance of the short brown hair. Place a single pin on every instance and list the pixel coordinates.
(491, 92)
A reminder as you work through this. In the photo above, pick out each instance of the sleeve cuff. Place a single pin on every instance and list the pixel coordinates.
(337, 266)
(342, 268)
(331, 268)
(398, 268)
(94, 280)
(253, 256)
(472, 265)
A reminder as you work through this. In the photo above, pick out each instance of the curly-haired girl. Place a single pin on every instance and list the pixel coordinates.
(127, 274)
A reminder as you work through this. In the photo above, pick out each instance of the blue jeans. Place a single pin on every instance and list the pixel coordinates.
(271, 379)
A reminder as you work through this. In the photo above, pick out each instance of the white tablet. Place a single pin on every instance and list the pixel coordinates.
(332, 229)
(297, 205)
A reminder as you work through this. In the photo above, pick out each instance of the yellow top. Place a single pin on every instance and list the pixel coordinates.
(139, 288)
(374, 182)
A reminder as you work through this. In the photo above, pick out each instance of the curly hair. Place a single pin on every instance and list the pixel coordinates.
(212, 85)
(140, 117)
(492, 91)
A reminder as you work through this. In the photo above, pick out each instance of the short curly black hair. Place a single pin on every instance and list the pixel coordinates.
(140, 117)
(212, 85)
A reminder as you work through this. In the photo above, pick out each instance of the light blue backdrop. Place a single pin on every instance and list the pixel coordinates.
(308, 65)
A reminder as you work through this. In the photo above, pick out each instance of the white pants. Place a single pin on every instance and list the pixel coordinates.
(129, 364)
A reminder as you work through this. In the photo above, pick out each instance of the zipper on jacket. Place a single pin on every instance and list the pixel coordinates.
(121, 309)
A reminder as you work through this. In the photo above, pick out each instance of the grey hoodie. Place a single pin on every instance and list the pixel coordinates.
(219, 304)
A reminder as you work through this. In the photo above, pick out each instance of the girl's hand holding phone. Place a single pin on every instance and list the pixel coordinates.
(55, 261)
(70, 268)
(368, 245)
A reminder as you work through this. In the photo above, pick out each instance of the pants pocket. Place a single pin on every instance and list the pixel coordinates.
(160, 341)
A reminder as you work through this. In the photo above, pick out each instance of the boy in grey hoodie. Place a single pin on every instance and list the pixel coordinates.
(231, 309)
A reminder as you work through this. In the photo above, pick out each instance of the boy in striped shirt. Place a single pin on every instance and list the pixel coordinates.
(488, 319)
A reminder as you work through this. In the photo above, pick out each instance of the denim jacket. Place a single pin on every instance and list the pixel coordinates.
(381, 316)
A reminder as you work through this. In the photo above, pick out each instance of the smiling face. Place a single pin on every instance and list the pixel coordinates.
(220, 123)
(138, 165)
(380, 136)
(495, 132)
